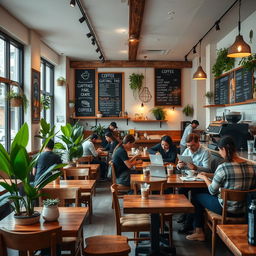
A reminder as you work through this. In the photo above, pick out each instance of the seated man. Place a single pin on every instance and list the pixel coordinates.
(46, 160)
(89, 150)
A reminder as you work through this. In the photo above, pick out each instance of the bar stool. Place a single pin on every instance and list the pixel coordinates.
(107, 245)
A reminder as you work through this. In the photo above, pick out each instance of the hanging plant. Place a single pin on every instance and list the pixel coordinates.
(45, 102)
(188, 110)
(61, 81)
(223, 63)
(209, 95)
(136, 82)
(17, 99)
(249, 62)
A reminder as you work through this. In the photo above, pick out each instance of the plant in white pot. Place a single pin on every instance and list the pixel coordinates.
(50, 210)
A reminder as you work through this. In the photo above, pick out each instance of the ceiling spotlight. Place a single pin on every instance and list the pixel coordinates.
(89, 35)
(73, 3)
(98, 49)
(101, 56)
(217, 25)
(194, 49)
(82, 19)
(93, 41)
(133, 39)
(186, 58)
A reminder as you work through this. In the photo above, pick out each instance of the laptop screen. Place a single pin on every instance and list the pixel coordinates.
(157, 171)
(156, 160)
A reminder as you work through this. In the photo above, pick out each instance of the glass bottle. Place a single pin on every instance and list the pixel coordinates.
(252, 223)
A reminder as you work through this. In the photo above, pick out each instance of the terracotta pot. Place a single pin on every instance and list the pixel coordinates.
(23, 219)
(50, 213)
(16, 102)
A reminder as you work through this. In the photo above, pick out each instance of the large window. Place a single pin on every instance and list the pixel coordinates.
(47, 91)
(11, 80)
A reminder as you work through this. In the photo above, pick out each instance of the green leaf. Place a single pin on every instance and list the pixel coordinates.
(8, 187)
(21, 137)
(49, 179)
(5, 165)
(59, 145)
(20, 164)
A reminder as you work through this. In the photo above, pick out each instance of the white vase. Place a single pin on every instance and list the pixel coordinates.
(50, 213)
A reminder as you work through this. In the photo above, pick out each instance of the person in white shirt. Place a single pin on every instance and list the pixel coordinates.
(189, 129)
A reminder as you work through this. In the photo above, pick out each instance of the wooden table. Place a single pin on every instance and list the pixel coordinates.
(139, 167)
(3, 190)
(154, 205)
(71, 219)
(235, 238)
(140, 156)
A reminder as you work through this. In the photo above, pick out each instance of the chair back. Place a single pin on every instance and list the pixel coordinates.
(233, 195)
(77, 172)
(113, 172)
(84, 159)
(30, 241)
(157, 186)
(117, 209)
(65, 195)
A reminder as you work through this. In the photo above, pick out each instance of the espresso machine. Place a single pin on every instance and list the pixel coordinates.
(238, 131)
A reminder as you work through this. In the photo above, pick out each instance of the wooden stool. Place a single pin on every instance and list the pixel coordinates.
(107, 245)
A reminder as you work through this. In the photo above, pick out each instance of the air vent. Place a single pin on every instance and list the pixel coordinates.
(158, 52)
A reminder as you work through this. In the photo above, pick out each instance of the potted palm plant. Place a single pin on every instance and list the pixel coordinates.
(17, 166)
(98, 129)
(159, 113)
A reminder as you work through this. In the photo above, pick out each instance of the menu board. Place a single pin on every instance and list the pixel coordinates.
(85, 92)
(243, 80)
(221, 90)
(167, 87)
(110, 93)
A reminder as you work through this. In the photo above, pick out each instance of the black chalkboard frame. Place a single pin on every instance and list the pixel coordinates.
(227, 74)
(180, 87)
(97, 90)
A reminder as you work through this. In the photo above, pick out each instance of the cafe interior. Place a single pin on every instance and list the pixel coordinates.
(84, 74)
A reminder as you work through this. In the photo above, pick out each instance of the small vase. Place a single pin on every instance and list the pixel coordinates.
(50, 213)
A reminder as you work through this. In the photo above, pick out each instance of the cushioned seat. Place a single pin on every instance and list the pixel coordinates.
(141, 221)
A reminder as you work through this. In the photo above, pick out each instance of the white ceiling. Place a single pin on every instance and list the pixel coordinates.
(172, 26)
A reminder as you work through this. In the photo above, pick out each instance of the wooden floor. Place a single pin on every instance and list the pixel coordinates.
(104, 224)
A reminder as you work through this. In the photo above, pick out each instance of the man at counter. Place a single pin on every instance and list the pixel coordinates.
(166, 148)
(189, 129)
(111, 128)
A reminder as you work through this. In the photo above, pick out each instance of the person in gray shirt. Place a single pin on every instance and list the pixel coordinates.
(189, 129)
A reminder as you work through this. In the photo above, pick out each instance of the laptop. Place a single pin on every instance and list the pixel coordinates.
(156, 167)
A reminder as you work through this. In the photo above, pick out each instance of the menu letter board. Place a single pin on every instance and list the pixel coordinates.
(85, 92)
(243, 85)
(167, 87)
(110, 93)
(221, 90)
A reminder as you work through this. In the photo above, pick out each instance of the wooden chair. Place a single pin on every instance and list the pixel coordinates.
(107, 245)
(66, 196)
(213, 219)
(29, 242)
(129, 223)
(81, 173)
(158, 186)
(84, 159)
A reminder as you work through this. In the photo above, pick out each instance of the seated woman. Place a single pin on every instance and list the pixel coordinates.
(122, 162)
(234, 173)
(166, 148)
(111, 142)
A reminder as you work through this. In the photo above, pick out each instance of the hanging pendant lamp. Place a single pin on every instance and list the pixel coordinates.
(239, 48)
(199, 74)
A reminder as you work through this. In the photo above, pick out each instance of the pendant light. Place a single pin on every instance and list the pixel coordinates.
(239, 48)
(199, 74)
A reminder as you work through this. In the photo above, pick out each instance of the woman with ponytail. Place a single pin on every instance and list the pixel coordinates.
(234, 173)
(121, 161)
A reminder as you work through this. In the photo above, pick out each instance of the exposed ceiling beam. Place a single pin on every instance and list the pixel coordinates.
(136, 10)
(131, 64)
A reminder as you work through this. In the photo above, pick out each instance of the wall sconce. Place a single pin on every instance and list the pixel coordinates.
(133, 39)
(142, 105)
(173, 108)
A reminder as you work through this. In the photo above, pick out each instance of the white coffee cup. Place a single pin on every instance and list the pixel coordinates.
(190, 173)
(133, 151)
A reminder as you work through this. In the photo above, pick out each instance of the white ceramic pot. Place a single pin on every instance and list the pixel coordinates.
(50, 213)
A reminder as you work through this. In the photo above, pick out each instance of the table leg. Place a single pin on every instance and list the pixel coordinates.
(155, 226)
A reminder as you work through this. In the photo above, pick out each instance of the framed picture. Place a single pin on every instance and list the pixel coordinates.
(35, 96)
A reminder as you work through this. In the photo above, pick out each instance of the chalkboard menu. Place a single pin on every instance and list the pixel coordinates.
(243, 89)
(167, 87)
(221, 90)
(110, 93)
(85, 92)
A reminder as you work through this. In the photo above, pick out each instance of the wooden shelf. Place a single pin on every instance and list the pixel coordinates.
(232, 104)
(100, 118)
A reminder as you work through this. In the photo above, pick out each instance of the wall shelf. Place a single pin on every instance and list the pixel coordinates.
(232, 104)
(101, 118)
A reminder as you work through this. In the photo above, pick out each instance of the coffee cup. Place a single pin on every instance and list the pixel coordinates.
(133, 151)
(250, 144)
(146, 172)
(169, 170)
(190, 173)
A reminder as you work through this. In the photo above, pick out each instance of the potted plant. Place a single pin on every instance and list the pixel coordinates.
(45, 102)
(61, 81)
(45, 130)
(223, 63)
(50, 209)
(136, 82)
(71, 142)
(159, 113)
(249, 62)
(17, 99)
(98, 129)
(188, 110)
(17, 166)
(209, 95)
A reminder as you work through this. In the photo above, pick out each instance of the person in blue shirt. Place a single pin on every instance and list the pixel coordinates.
(166, 148)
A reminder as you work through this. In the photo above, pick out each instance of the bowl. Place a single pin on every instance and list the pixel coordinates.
(233, 117)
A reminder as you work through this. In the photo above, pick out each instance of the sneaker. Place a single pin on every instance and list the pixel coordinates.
(196, 237)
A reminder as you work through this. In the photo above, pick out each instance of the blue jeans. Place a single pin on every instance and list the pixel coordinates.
(202, 201)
